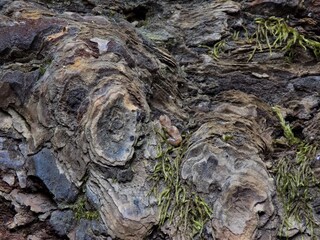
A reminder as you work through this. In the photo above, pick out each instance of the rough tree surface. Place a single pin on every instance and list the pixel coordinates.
(84, 83)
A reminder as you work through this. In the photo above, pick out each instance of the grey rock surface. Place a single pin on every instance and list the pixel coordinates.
(46, 169)
(90, 230)
(62, 221)
(83, 85)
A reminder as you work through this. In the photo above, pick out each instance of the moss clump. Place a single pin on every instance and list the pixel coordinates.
(227, 137)
(183, 208)
(216, 50)
(81, 211)
(277, 34)
(271, 33)
(295, 181)
(292, 140)
(43, 67)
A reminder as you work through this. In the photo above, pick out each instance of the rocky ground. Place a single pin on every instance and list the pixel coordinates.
(156, 119)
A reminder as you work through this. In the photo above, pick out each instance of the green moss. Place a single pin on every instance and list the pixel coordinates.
(42, 70)
(43, 67)
(81, 211)
(292, 140)
(295, 181)
(227, 137)
(271, 33)
(277, 34)
(216, 50)
(178, 204)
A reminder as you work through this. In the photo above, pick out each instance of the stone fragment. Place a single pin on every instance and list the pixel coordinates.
(40, 234)
(22, 178)
(15, 86)
(102, 44)
(308, 84)
(29, 28)
(259, 75)
(4, 188)
(37, 203)
(33, 237)
(125, 175)
(303, 108)
(74, 162)
(61, 137)
(6, 121)
(44, 216)
(90, 230)
(204, 23)
(124, 207)
(272, 7)
(10, 157)
(62, 221)
(23, 217)
(19, 124)
(232, 172)
(9, 179)
(46, 169)
(175, 137)
(312, 129)
(6, 234)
